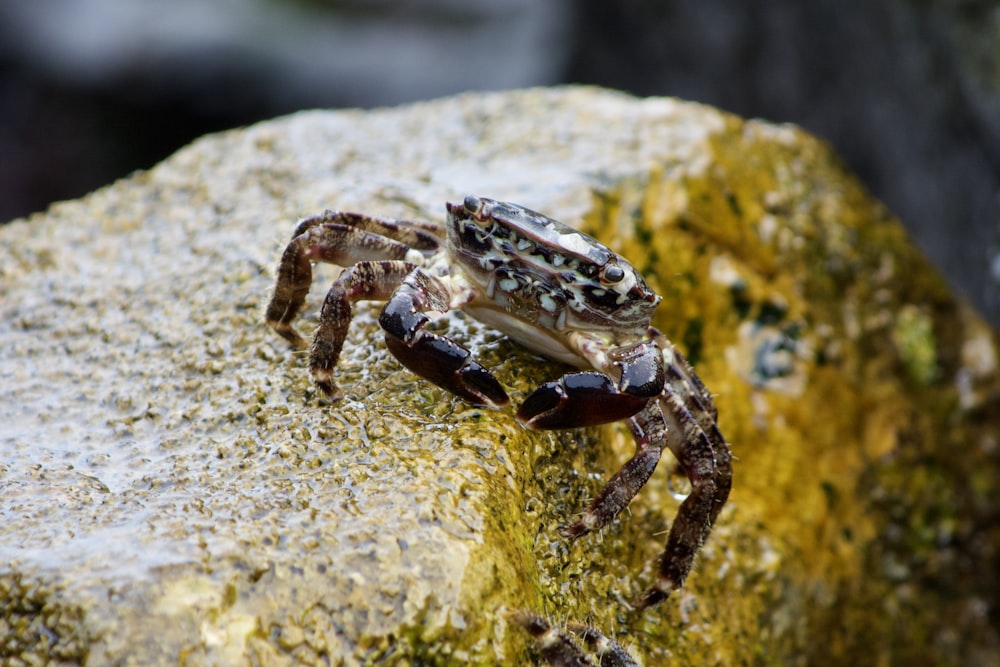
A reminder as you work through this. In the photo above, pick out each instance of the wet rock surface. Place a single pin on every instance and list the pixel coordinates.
(174, 490)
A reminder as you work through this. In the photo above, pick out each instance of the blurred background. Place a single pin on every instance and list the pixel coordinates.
(907, 92)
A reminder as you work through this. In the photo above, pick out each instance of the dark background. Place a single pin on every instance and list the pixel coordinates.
(907, 92)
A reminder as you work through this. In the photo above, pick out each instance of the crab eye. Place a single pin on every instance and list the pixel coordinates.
(612, 274)
(471, 203)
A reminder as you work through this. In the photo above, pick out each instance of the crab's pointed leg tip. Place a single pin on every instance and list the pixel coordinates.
(331, 392)
(651, 598)
(578, 528)
(534, 624)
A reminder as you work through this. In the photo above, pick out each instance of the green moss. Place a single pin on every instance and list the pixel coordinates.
(913, 334)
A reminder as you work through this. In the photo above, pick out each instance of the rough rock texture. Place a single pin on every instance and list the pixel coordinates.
(173, 490)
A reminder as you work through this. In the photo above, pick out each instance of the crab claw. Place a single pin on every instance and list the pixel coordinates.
(578, 399)
(450, 366)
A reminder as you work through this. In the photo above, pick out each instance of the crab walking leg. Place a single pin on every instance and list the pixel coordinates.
(700, 407)
(417, 234)
(583, 399)
(610, 652)
(685, 382)
(623, 485)
(431, 356)
(561, 649)
(551, 645)
(683, 419)
(705, 458)
(343, 239)
(364, 280)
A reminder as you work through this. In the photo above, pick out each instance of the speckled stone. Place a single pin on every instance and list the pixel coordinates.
(173, 490)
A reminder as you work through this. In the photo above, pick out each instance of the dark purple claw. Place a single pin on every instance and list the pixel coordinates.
(436, 358)
(450, 366)
(578, 399)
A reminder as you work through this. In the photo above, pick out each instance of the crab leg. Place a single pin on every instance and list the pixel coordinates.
(559, 648)
(684, 381)
(624, 484)
(339, 238)
(431, 356)
(364, 280)
(705, 458)
(682, 418)
(417, 234)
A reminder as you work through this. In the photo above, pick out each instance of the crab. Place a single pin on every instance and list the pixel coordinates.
(555, 290)
(577, 645)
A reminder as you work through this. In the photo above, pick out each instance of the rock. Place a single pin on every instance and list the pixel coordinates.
(173, 489)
